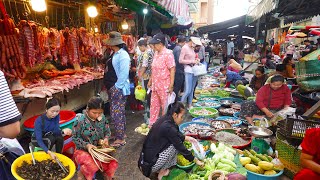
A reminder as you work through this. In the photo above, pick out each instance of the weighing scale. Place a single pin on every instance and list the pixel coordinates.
(260, 141)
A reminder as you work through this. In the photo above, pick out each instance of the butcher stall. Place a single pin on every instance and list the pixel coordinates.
(40, 60)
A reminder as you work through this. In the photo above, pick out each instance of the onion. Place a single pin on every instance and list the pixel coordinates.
(236, 176)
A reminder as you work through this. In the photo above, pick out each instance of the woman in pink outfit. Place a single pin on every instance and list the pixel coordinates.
(162, 77)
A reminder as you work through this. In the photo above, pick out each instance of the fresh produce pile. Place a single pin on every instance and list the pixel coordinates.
(230, 139)
(232, 120)
(208, 104)
(223, 160)
(203, 112)
(182, 161)
(227, 111)
(260, 163)
(187, 144)
(208, 99)
(219, 124)
(142, 129)
(46, 169)
(221, 93)
(197, 129)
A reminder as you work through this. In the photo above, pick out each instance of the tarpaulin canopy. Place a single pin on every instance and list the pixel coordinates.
(264, 7)
(232, 23)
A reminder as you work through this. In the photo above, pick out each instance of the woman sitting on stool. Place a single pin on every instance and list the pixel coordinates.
(46, 129)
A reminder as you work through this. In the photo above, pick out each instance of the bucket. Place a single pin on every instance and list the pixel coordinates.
(66, 121)
(255, 176)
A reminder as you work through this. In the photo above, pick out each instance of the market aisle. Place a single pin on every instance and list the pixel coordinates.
(129, 154)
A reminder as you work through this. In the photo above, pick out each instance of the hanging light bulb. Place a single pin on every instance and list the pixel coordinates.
(145, 11)
(124, 25)
(92, 11)
(38, 5)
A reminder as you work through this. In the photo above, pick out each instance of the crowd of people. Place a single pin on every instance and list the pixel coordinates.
(161, 71)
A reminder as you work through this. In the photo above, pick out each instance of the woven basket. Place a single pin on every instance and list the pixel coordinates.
(288, 154)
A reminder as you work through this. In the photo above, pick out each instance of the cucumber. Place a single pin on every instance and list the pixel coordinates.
(253, 152)
(254, 159)
(262, 157)
(247, 153)
(270, 158)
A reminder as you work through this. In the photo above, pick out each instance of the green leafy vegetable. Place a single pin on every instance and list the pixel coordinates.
(239, 169)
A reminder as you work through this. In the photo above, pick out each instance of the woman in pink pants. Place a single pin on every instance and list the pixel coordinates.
(162, 77)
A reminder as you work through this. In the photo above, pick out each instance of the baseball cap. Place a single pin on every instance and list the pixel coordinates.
(158, 38)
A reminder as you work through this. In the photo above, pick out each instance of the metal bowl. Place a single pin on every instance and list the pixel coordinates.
(260, 132)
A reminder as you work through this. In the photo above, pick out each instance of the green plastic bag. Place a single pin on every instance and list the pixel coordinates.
(140, 93)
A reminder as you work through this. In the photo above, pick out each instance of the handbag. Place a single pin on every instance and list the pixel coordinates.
(199, 69)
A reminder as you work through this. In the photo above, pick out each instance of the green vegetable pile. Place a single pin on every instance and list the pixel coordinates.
(221, 93)
(187, 144)
(182, 161)
(176, 174)
(225, 159)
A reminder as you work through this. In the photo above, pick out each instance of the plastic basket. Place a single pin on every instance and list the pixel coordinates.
(40, 156)
(235, 100)
(288, 154)
(214, 112)
(296, 128)
(255, 176)
(199, 104)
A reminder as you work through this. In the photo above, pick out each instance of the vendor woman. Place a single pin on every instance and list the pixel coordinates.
(46, 129)
(165, 141)
(90, 130)
(310, 156)
(269, 99)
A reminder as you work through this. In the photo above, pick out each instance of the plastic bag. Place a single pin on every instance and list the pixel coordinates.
(13, 145)
(171, 99)
(281, 115)
(140, 93)
(199, 69)
(198, 151)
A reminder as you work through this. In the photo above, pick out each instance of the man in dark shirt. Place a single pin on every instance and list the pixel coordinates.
(308, 48)
(179, 75)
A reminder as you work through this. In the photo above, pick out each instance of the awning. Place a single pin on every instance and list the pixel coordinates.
(179, 8)
(229, 24)
(264, 7)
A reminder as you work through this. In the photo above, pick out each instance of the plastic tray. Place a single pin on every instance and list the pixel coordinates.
(230, 117)
(197, 136)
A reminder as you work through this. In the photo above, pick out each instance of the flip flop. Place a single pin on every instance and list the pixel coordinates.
(117, 145)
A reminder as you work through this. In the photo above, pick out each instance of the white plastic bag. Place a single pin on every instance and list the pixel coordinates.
(171, 99)
(198, 151)
(199, 69)
(13, 145)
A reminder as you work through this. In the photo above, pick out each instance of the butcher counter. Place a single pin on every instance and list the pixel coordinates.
(73, 100)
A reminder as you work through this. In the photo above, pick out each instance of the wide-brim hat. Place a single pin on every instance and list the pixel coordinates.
(196, 40)
(114, 39)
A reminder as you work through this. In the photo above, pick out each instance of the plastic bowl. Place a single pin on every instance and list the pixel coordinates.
(199, 104)
(214, 112)
(65, 118)
(230, 117)
(255, 176)
(236, 115)
(233, 131)
(184, 125)
(186, 167)
(235, 100)
(40, 156)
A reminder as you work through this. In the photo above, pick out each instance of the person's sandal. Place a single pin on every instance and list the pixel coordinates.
(117, 145)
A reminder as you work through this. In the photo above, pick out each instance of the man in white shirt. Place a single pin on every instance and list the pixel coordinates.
(230, 48)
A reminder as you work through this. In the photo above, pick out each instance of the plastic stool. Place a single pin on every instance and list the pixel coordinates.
(36, 149)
